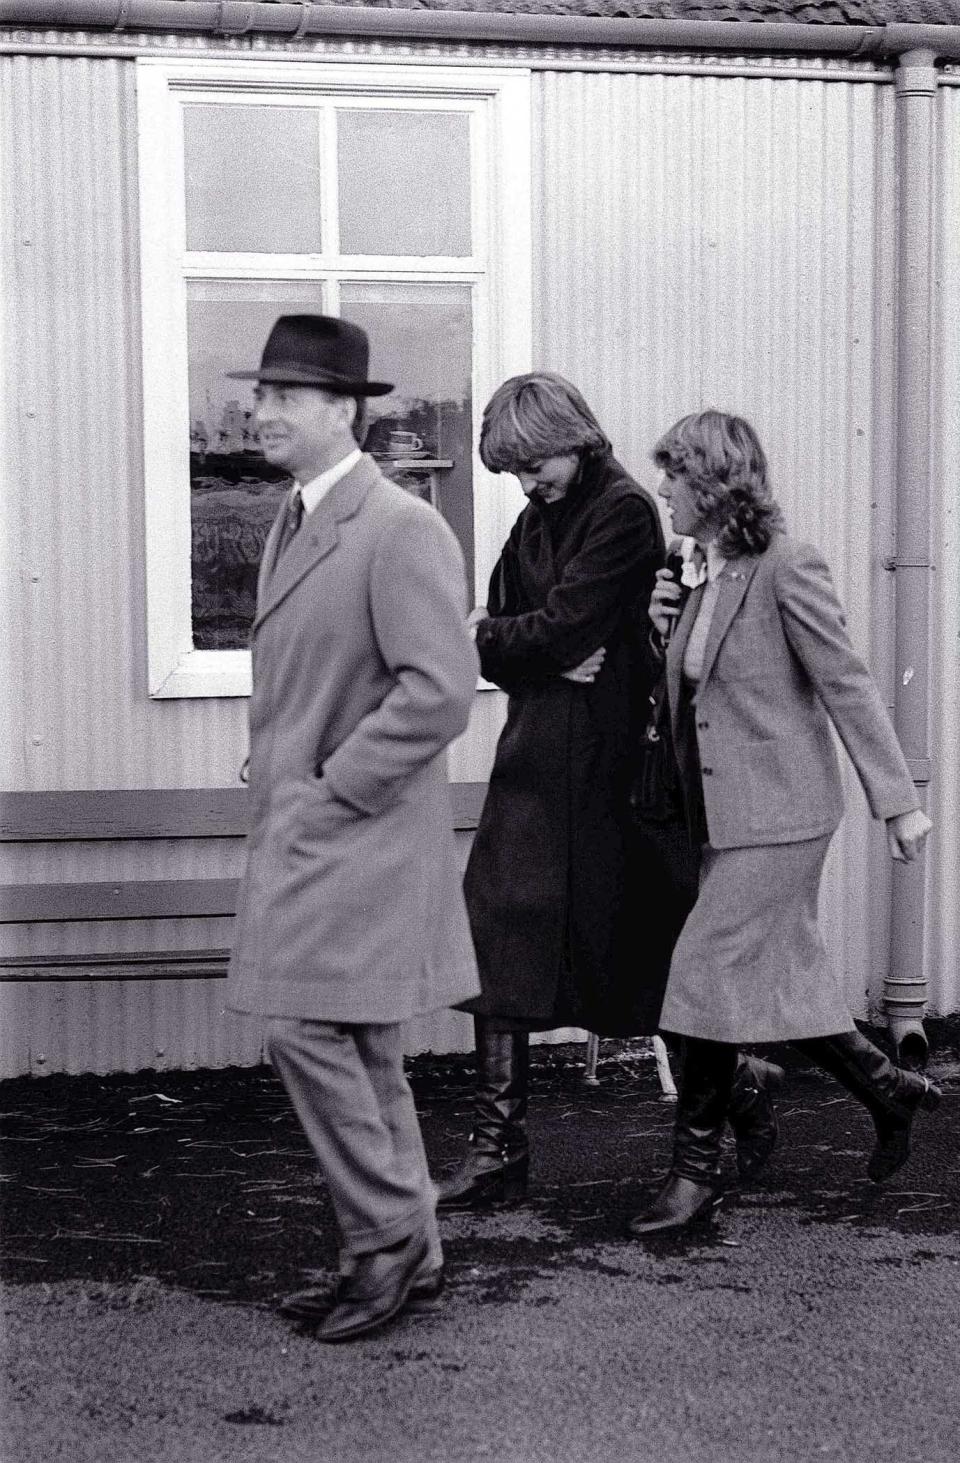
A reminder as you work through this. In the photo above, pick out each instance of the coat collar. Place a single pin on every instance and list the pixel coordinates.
(597, 466)
(733, 584)
(317, 536)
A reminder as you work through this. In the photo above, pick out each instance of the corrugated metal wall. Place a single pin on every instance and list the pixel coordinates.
(698, 240)
(728, 241)
(70, 275)
(70, 144)
(79, 713)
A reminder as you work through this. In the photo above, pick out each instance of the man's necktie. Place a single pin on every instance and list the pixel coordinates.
(293, 517)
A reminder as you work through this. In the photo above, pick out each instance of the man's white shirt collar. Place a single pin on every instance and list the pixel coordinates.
(317, 488)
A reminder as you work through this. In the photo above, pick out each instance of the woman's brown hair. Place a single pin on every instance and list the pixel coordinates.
(536, 416)
(720, 458)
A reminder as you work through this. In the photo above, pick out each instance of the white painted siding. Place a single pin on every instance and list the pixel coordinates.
(698, 240)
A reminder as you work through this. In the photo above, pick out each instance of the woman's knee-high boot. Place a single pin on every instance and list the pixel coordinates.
(692, 1185)
(753, 1116)
(495, 1169)
(891, 1095)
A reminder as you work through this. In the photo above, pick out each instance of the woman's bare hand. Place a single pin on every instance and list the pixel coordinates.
(474, 618)
(906, 834)
(664, 603)
(586, 671)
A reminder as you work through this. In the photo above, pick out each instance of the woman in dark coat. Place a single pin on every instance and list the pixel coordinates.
(555, 888)
(757, 669)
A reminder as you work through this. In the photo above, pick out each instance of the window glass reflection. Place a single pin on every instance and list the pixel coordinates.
(422, 433)
(234, 493)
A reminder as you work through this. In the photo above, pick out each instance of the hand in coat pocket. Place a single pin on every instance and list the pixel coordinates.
(319, 819)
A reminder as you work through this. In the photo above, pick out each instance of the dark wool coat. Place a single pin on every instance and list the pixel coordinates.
(554, 885)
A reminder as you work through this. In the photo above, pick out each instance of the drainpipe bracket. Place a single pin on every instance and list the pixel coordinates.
(871, 44)
(306, 12)
(892, 563)
(916, 73)
(245, 14)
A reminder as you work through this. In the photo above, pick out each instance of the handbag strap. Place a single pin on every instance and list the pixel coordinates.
(657, 719)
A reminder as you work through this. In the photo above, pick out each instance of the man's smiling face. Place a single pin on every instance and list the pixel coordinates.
(299, 426)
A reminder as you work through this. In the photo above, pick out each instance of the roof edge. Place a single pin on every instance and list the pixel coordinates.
(231, 18)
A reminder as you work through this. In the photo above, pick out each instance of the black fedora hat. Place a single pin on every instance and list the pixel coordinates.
(317, 350)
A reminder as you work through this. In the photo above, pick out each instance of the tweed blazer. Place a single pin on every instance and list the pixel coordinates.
(778, 668)
(363, 671)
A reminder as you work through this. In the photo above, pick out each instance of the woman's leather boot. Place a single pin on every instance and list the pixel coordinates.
(691, 1190)
(753, 1116)
(495, 1169)
(891, 1095)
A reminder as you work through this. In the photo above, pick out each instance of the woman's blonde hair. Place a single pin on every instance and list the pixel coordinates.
(535, 416)
(720, 458)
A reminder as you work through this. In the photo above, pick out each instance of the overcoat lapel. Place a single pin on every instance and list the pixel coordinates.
(317, 536)
(734, 582)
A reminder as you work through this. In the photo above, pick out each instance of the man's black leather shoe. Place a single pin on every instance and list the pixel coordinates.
(376, 1291)
(312, 1304)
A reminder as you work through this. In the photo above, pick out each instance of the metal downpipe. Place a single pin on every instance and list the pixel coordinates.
(905, 988)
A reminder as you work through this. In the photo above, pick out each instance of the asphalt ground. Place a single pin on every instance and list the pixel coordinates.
(150, 1222)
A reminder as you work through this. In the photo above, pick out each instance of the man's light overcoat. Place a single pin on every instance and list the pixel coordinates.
(363, 671)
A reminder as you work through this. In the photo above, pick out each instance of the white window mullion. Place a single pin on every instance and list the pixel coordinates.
(255, 266)
(296, 266)
(328, 183)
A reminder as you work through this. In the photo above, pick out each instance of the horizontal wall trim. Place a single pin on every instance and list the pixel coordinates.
(141, 965)
(640, 63)
(128, 899)
(199, 812)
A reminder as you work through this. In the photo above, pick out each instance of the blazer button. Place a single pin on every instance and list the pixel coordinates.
(707, 771)
(703, 725)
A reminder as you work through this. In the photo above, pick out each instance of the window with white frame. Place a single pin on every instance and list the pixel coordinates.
(397, 196)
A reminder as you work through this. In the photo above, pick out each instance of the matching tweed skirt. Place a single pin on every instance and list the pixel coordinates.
(750, 964)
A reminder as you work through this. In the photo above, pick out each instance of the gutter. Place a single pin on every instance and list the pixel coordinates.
(916, 50)
(299, 20)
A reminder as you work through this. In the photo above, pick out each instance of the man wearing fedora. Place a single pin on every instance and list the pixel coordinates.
(350, 916)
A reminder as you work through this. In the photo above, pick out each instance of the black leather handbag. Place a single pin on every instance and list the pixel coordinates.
(657, 796)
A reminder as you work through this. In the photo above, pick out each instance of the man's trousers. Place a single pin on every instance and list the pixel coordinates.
(347, 1085)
